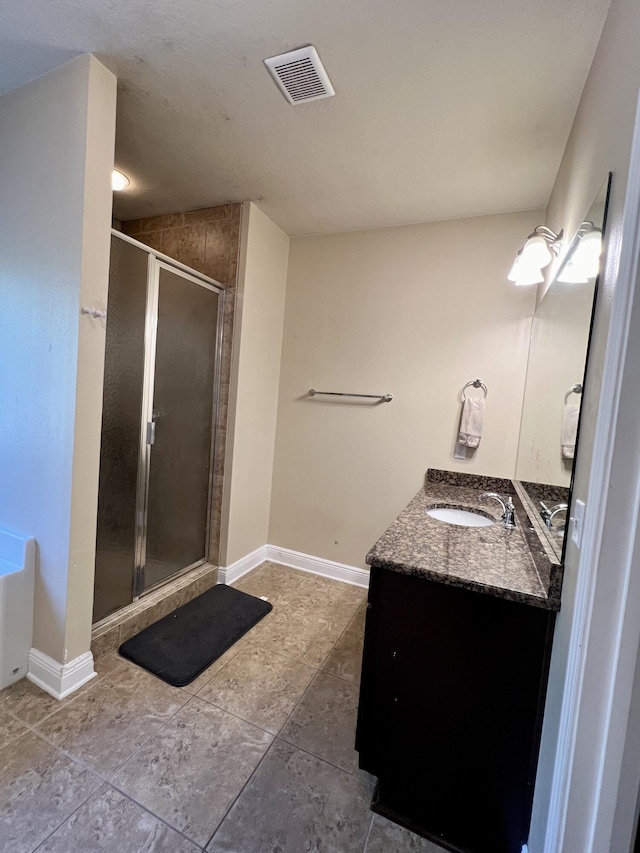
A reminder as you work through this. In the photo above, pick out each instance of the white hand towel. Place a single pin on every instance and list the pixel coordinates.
(569, 429)
(472, 421)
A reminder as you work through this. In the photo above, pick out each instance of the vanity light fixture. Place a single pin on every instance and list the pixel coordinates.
(584, 263)
(119, 181)
(541, 246)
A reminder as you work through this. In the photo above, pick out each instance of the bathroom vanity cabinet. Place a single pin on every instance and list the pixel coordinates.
(453, 686)
(453, 683)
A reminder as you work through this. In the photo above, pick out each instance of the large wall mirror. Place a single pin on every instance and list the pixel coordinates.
(556, 375)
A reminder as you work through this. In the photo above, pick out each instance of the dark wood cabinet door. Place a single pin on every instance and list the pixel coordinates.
(450, 712)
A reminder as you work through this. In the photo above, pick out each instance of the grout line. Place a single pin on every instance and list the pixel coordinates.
(211, 677)
(63, 703)
(251, 722)
(154, 815)
(102, 774)
(240, 793)
(151, 736)
(75, 759)
(235, 715)
(366, 841)
(276, 737)
(68, 817)
(319, 757)
(324, 760)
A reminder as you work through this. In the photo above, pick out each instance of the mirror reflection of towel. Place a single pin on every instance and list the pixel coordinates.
(472, 421)
(569, 430)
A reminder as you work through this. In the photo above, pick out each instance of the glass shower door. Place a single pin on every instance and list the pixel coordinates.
(161, 380)
(180, 429)
(124, 371)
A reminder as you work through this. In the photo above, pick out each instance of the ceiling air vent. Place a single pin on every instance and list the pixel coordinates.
(300, 75)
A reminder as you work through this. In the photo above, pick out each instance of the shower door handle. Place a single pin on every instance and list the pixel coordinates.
(151, 432)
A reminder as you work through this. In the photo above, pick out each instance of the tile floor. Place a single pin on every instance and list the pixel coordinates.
(255, 756)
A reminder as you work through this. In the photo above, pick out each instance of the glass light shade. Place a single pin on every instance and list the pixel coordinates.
(585, 262)
(119, 181)
(536, 252)
(588, 253)
(523, 273)
(571, 274)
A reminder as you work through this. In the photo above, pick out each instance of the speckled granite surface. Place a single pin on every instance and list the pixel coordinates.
(511, 564)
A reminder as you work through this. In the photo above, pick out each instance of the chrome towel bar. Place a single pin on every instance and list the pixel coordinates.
(382, 398)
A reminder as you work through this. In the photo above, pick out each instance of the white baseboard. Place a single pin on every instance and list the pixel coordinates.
(232, 573)
(318, 566)
(296, 560)
(60, 680)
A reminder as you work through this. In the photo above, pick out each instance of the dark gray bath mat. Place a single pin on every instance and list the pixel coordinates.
(181, 645)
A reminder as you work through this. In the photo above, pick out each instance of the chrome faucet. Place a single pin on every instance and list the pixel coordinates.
(508, 509)
(548, 514)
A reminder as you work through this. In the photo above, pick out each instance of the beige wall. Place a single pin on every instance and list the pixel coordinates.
(254, 385)
(600, 141)
(57, 137)
(94, 285)
(416, 311)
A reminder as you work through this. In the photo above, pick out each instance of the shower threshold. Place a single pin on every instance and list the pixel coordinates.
(109, 633)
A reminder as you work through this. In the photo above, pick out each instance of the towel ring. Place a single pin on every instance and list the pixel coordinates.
(477, 383)
(575, 389)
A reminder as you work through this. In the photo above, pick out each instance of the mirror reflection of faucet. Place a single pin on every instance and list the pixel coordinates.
(508, 509)
(548, 514)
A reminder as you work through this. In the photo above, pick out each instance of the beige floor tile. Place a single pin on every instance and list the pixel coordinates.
(31, 704)
(104, 726)
(191, 771)
(279, 585)
(357, 624)
(260, 686)
(345, 659)
(337, 591)
(295, 802)
(386, 836)
(40, 787)
(205, 677)
(308, 639)
(109, 663)
(10, 728)
(324, 723)
(109, 822)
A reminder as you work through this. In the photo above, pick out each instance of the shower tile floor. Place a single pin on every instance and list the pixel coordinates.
(255, 756)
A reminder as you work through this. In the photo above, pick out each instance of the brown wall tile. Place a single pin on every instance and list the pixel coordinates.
(153, 239)
(153, 223)
(185, 244)
(210, 214)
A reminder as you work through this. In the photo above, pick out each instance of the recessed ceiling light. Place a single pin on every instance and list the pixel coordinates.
(119, 181)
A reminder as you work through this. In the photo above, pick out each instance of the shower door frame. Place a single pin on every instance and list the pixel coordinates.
(157, 261)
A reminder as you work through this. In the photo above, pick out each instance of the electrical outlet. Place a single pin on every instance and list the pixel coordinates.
(460, 451)
(577, 523)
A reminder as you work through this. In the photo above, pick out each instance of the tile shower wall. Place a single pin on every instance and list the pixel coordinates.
(207, 240)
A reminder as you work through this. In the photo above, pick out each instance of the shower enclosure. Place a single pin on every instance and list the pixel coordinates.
(161, 381)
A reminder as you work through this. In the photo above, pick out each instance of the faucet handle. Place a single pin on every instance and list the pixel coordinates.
(508, 509)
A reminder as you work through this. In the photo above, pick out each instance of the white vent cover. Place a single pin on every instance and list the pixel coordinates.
(300, 75)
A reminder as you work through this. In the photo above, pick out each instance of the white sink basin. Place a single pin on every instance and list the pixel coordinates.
(461, 517)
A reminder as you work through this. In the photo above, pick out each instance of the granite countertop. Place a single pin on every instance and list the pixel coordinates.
(511, 564)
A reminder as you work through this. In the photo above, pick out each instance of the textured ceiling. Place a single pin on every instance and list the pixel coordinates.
(443, 108)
